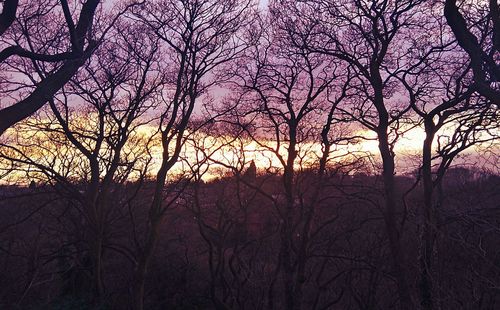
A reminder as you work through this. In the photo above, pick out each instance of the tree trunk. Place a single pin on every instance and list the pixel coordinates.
(143, 264)
(429, 222)
(390, 218)
(292, 301)
(98, 285)
(155, 219)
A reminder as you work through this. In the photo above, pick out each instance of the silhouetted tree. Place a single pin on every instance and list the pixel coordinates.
(91, 150)
(283, 91)
(441, 95)
(198, 37)
(370, 36)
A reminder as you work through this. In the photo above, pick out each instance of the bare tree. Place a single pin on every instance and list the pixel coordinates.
(89, 137)
(222, 216)
(371, 36)
(286, 99)
(198, 37)
(441, 95)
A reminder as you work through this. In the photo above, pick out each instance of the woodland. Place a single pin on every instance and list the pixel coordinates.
(242, 154)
